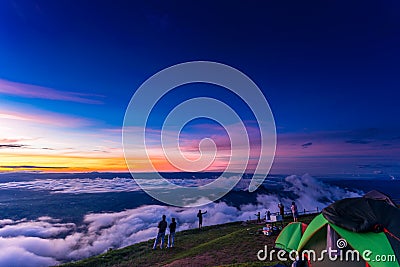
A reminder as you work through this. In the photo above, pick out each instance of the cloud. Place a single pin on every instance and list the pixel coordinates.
(358, 141)
(39, 228)
(209, 145)
(11, 146)
(15, 256)
(6, 221)
(34, 91)
(76, 186)
(312, 193)
(48, 241)
(376, 166)
(291, 153)
(100, 185)
(306, 145)
(13, 140)
(6, 146)
(43, 117)
(55, 139)
(32, 167)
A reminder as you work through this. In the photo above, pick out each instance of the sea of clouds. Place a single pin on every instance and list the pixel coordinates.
(101, 185)
(50, 241)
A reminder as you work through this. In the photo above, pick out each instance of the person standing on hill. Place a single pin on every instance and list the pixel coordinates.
(172, 229)
(258, 217)
(162, 226)
(281, 209)
(294, 211)
(268, 215)
(200, 216)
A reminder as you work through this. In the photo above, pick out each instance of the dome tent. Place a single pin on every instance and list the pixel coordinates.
(365, 224)
(289, 239)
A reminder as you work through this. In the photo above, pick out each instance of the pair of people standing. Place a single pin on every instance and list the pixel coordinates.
(162, 227)
(267, 217)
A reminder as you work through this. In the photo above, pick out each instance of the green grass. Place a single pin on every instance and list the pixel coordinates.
(228, 244)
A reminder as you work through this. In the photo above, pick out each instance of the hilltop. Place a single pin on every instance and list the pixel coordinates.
(230, 244)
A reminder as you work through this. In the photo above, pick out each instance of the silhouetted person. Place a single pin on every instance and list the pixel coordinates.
(200, 216)
(281, 209)
(268, 215)
(162, 226)
(171, 238)
(258, 217)
(294, 211)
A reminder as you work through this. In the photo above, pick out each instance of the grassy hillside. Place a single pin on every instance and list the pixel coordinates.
(220, 245)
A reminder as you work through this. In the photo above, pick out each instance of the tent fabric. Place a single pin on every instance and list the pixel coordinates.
(290, 236)
(332, 238)
(377, 195)
(377, 243)
(355, 220)
(364, 215)
(316, 224)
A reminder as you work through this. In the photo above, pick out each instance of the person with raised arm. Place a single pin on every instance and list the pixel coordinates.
(200, 216)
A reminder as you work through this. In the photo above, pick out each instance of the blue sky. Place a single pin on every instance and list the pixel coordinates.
(329, 71)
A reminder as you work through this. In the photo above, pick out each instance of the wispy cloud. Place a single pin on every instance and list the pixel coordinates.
(377, 166)
(306, 145)
(11, 140)
(44, 117)
(316, 150)
(11, 146)
(32, 167)
(35, 91)
(358, 141)
(37, 140)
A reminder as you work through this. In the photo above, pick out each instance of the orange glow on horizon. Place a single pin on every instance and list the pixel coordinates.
(62, 163)
(57, 163)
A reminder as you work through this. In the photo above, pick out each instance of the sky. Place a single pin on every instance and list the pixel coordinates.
(328, 69)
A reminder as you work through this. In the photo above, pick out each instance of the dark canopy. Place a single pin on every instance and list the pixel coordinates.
(375, 194)
(366, 214)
